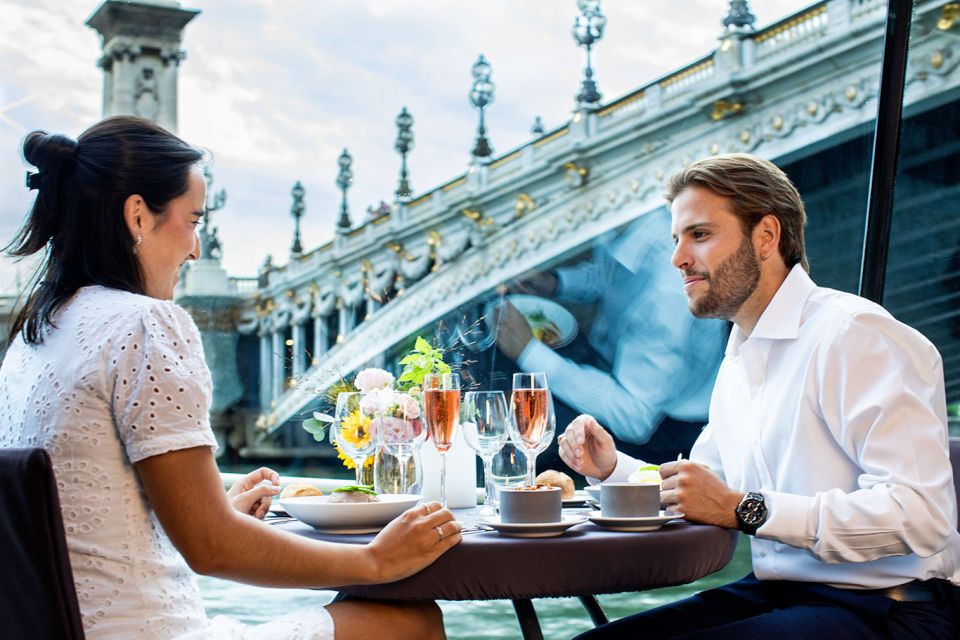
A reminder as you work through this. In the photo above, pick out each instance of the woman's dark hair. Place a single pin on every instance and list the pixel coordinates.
(77, 217)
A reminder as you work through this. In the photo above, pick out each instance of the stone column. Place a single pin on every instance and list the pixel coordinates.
(299, 348)
(266, 369)
(278, 374)
(320, 336)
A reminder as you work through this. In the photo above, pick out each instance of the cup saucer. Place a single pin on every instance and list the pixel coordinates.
(642, 523)
(534, 529)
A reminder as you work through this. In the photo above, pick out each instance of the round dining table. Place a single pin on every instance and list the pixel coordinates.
(586, 560)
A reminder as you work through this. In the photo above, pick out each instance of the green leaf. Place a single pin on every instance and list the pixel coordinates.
(358, 488)
(650, 467)
(422, 345)
(314, 428)
(409, 359)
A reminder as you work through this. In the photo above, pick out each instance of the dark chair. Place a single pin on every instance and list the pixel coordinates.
(39, 599)
(955, 463)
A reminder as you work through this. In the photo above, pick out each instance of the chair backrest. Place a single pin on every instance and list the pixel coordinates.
(38, 600)
(955, 463)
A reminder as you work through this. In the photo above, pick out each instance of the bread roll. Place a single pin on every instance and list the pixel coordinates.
(558, 479)
(299, 490)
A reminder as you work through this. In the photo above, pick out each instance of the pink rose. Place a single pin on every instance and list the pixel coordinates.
(377, 401)
(407, 407)
(370, 379)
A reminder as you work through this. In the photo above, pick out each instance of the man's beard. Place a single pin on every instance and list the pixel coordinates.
(729, 286)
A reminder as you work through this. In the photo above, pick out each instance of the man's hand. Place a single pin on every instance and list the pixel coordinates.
(514, 333)
(588, 449)
(252, 493)
(536, 283)
(697, 492)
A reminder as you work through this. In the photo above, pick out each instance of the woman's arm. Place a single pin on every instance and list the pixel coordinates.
(184, 489)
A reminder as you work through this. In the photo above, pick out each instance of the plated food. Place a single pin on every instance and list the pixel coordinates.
(353, 494)
(649, 474)
(348, 517)
(550, 323)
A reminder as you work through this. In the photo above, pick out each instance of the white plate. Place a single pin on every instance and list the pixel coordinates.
(348, 517)
(647, 523)
(528, 305)
(536, 529)
(578, 500)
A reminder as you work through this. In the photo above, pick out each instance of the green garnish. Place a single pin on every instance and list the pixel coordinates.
(650, 467)
(537, 317)
(360, 488)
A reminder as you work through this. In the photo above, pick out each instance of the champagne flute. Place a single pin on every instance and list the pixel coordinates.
(531, 408)
(441, 407)
(483, 416)
(401, 429)
(354, 431)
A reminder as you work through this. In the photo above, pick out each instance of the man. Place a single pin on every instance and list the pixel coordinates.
(826, 440)
(647, 367)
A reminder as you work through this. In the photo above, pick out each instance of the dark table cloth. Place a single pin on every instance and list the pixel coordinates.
(585, 560)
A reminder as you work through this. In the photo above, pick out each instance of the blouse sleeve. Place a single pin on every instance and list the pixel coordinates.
(162, 387)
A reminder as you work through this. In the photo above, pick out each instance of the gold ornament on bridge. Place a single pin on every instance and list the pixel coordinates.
(724, 108)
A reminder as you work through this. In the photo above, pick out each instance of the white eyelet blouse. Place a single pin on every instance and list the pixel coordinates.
(121, 378)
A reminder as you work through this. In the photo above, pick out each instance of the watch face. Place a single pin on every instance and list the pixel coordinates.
(752, 511)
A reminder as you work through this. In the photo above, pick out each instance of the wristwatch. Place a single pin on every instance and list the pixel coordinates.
(751, 513)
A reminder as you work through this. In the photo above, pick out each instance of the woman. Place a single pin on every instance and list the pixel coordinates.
(107, 374)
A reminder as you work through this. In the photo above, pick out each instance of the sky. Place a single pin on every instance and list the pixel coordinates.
(275, 89)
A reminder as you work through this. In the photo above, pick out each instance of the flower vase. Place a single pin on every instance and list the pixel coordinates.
(367, 476)
(386, 474)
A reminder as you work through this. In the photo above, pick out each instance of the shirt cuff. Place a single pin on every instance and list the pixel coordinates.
(787, 519)
(537, 356)
(625, 466)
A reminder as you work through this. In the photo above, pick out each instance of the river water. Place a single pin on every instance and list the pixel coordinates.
(560, 618)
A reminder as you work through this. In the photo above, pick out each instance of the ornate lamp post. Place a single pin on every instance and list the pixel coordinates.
(404, 145)
(587, 31)
(344, 180)
(481, 96)
(209, 243)
(739, 18)
(296, 210)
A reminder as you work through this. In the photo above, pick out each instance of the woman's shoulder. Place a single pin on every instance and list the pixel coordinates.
(123, 311)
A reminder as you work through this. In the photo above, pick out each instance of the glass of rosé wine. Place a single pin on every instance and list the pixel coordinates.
(532, 422)
(441, 410)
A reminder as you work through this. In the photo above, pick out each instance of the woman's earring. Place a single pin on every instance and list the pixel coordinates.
(136, 243)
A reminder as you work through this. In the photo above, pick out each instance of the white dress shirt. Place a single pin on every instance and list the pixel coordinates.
(662, 361)
(836, 413)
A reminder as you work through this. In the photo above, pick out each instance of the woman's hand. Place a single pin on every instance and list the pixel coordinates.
(412, 541)
(252, 493)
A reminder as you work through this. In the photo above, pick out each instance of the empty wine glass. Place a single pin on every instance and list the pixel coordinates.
(533, 423)
(401, 431)
(483, 417)
(441, 406)
(353, 430)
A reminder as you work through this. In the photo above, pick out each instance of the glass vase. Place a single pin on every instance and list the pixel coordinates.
(386, 474)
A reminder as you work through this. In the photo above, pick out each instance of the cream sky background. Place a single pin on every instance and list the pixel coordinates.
(276, 88)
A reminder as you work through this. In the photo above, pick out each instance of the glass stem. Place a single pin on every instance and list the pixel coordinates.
(531, 468)
(443, 479)
(358, 466)
(488, 486)
(403, 474)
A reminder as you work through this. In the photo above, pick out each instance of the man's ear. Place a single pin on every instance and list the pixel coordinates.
(766, 236)
(134, 209)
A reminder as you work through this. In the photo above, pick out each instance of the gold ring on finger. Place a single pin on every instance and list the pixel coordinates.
(439, 533)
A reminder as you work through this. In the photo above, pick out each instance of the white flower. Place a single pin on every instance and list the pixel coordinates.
(370, 379)
(377, 401)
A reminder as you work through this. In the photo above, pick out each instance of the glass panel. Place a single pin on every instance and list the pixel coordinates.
(923, 271)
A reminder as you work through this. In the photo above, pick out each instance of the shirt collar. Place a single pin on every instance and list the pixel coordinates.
(781, 319)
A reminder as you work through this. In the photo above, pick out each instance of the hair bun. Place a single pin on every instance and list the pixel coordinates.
(48, 151)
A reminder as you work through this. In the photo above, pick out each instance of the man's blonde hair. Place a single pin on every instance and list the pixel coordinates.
(756, 188)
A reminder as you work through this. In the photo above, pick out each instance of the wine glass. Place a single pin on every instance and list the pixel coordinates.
(354, 431)
(532, 425)
(441, 407)
(401, 430)
(483, 417)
